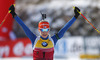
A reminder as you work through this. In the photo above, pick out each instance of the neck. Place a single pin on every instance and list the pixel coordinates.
(44, 38)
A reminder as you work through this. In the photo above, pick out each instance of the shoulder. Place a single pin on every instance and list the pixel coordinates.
(37, 38)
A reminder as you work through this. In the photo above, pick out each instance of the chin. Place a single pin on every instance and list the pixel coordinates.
(44, 36)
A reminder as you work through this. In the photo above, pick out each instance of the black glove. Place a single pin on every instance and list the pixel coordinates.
(12, 8)
(76, 11)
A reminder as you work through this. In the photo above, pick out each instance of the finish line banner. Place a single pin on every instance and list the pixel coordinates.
(19, 48)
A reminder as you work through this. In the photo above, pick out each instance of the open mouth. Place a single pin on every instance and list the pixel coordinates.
(44, 35)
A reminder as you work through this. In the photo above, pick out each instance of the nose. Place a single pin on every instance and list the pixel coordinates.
(44, 31)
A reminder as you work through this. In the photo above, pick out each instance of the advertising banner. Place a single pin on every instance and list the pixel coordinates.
(6, 27)
(19, 48)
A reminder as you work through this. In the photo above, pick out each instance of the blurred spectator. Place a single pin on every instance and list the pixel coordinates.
(59, 11)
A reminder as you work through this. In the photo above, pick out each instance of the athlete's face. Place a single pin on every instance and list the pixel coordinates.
(44, 33)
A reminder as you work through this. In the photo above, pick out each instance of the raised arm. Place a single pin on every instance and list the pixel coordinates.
(25, 28)
(27, 31)
(67, 26)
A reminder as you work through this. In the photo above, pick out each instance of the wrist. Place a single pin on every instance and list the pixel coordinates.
(14, 14)
(76, 16)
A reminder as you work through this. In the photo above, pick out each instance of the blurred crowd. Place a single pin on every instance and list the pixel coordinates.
(59, 12)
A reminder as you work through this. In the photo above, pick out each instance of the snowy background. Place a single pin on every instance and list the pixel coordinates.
(59, 12)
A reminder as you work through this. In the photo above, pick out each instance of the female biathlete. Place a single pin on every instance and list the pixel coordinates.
(43, 45)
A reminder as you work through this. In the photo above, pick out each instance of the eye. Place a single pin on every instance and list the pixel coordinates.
(44, 30)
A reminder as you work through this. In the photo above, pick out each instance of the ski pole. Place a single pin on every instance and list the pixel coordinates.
(5, 17)
(88, 21)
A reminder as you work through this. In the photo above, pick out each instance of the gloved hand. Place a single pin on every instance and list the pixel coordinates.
(76, 11)
(12, 10)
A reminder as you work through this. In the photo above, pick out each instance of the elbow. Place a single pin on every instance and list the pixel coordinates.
(60, 35)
